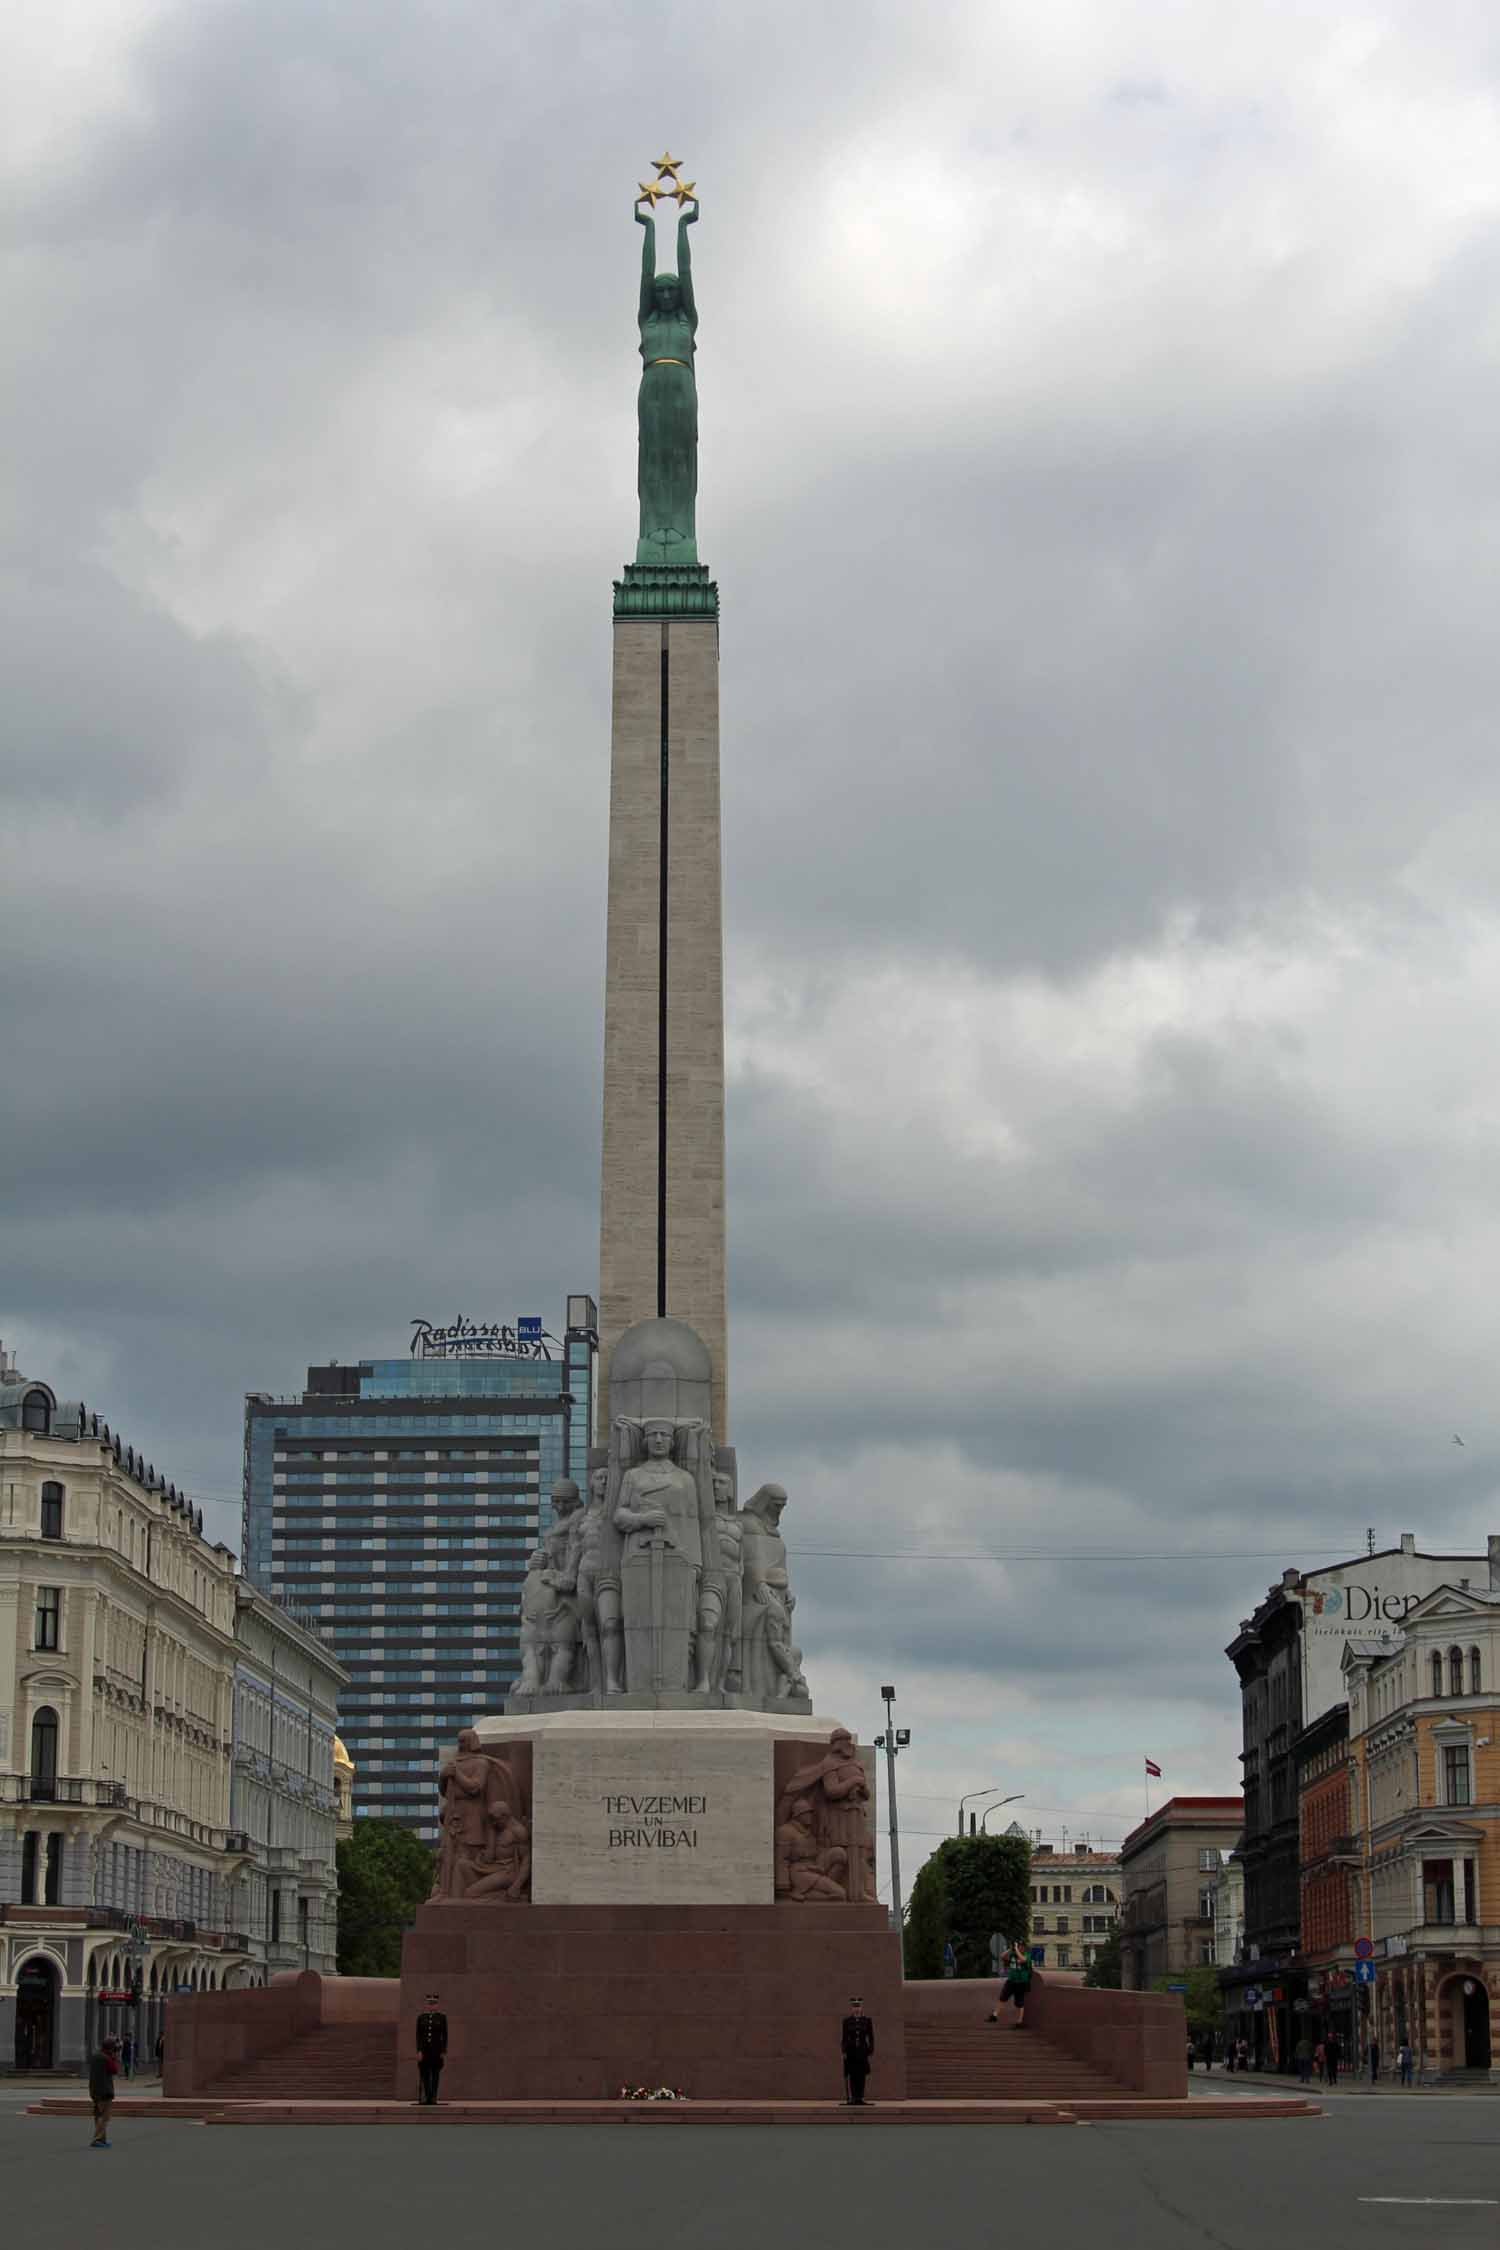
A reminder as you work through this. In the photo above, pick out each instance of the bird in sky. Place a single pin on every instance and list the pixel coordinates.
(1459, 1441)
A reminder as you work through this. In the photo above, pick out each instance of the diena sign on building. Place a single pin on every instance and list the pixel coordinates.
(482, 1339)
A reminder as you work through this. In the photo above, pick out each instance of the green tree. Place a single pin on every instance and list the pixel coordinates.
(1203, 2000)
(926, 1929)
(1103, 1972)
(385, 1872)
(971, 1887)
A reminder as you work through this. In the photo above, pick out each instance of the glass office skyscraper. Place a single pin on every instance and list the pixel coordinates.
(396, 1502)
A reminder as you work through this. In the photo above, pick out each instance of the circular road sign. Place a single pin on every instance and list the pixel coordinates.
(1364, 1949)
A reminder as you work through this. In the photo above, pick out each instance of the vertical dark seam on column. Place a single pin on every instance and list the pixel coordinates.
(661, 1003)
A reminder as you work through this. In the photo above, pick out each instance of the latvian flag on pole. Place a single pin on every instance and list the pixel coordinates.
(1153, 1769)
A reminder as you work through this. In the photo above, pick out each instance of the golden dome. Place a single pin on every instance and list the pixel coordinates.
(341, 1756)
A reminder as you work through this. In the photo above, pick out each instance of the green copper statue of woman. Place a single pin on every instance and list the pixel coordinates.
(668, 406)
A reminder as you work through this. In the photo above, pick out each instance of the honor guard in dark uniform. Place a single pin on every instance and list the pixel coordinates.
(432, 2046)
(858, 2042)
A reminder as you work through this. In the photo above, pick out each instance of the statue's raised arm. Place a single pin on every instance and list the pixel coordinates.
(648, 263)
(685, 265)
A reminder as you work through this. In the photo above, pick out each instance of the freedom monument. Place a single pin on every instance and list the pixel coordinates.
(658, 1863)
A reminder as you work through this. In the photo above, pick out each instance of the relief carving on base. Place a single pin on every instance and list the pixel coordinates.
(485, 1850)
(825, 1847)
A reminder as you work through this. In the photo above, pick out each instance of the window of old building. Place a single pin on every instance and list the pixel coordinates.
(1474, 1671)
(1457, 1789)
(1437, 1891)
(1437, 1672)
(48, 1611)
(1455, 1671)
(52, 1511)
(44, 1755)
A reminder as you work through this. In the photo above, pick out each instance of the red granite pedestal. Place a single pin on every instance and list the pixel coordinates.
(729, 2003)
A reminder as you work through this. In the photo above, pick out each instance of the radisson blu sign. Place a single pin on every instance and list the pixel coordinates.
(482, 1339)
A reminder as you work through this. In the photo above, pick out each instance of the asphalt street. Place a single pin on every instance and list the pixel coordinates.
(1370, 2172)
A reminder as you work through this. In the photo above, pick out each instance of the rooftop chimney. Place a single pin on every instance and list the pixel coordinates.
(1408, 1542)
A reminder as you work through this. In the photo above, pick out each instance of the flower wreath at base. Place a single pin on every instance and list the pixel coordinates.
(652, 2094)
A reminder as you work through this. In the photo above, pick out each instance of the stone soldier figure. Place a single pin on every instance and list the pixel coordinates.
(550, 1612)
(600, 1547)
(721, 1598)
(770, 1668)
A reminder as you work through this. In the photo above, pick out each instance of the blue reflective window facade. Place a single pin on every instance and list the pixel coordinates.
(396, 1503)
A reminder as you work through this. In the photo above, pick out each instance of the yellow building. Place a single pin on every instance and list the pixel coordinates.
(1424, 1726)
(343, 1791)
(1075, 1902)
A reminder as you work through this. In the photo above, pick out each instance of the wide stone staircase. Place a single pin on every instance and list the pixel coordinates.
(348, 2062)
(993, 2062)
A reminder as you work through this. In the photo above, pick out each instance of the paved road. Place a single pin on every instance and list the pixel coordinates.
(1295, 2185)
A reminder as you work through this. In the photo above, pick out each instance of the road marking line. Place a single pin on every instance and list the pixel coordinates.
(1425, 2199)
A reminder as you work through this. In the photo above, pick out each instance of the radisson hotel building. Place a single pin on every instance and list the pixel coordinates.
(395, 1503)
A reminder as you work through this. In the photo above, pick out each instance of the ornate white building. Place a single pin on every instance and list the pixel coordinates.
(283, 1798)
(123, 1877)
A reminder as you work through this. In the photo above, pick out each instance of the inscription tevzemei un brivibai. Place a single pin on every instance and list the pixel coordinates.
(656, 1821)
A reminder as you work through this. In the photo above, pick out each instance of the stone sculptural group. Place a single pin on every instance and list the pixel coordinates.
(660, 1585)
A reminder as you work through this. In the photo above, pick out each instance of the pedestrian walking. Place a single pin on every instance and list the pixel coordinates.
(127, 2053)
(1374, 2061)
(103, 2065)
(1015, 1984)
(1331, 2057)
(1320, 2062)
(1303, 2056)
(1242, 2049)
(432, 2046)
(1403, 2063)
(857, 2041)
(161, 2053)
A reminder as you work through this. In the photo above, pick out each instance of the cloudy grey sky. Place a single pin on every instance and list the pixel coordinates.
(1099, 466)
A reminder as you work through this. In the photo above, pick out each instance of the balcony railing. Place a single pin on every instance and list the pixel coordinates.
(61, 1789)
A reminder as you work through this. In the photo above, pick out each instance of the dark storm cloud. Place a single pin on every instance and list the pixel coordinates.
(1097, 461)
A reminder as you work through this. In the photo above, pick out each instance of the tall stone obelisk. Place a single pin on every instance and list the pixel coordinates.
(661, 1225)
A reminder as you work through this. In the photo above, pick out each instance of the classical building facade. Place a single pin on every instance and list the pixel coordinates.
(117, 1870)
(1169, 1867)
(139, 1845)
(1075, 1903)
(1424, 1729)
(283, 1795)
(1288, 1657)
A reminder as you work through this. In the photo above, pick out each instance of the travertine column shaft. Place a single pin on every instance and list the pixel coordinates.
(645, 1241)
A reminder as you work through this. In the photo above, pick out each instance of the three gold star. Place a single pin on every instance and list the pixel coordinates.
(667, 183)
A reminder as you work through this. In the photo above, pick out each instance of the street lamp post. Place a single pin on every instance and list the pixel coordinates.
(984, 1816)
(895, 1738)
(967, 1796)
